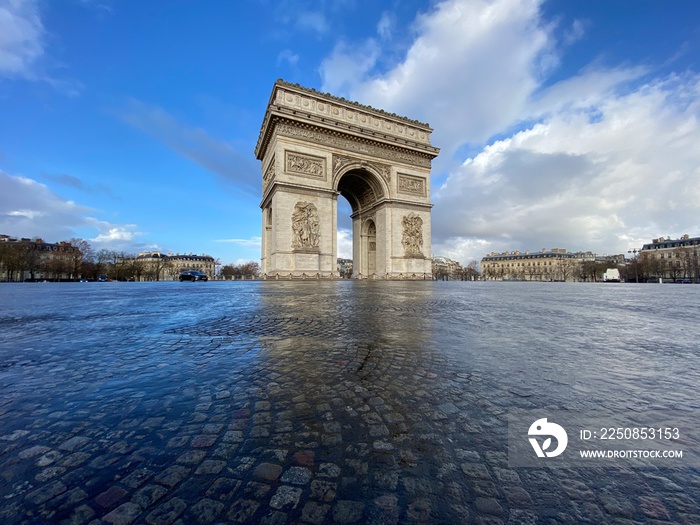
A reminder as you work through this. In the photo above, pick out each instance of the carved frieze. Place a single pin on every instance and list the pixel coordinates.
(412, 238)
(349, 144)
(307, 165)
(306, 226)
(410, 185)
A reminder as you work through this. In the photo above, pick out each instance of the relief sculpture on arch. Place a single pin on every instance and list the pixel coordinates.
(306, 226)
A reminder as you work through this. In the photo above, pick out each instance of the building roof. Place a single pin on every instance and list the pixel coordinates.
(661, 242)
(533, 255)
(158, 255)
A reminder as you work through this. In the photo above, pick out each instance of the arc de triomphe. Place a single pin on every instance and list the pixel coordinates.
(314, 147)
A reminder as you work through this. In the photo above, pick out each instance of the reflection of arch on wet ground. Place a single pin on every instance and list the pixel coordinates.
(324, 332)
(358, 325)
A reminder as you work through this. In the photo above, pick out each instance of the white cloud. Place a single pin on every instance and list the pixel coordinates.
(603, 160)
(239, 262)
(288, 56)
(575, 33)
(344, 243)
(102, 8)
(313, 21)
(30, 209)
(114, 234)
(386, 25)
(21, 38)
(25, 214)
(347, 66)
(461, 249)
(469, 72)
(22, 53)
(584, 91)
(605, 184)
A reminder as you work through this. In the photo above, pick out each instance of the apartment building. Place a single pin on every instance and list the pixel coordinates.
(157, 266)
(671, 259)
(546, 265)
(33, 259)
(445, 268)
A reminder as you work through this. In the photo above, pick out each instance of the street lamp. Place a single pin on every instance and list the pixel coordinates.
(635, 251)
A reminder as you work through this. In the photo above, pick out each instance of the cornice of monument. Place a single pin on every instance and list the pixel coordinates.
(342, 100)
(300, 105)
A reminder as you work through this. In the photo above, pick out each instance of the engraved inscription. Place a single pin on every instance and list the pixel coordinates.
(411, 185)
(305, 165)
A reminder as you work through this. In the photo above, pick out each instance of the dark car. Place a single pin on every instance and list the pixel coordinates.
(193, 275)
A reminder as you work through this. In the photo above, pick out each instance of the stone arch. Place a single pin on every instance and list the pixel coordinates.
(314, 147)
(362, 174)
(365, 190)
(368, 247)
(361, 188)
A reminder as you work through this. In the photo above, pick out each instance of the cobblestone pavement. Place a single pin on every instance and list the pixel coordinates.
(316, 403)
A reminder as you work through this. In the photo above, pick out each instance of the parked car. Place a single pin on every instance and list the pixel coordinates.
(193, 275)
(102, 278)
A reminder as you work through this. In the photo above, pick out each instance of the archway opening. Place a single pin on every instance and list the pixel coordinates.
(344, 238)
(359, 192)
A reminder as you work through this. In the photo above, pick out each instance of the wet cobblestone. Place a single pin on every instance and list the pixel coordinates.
(323, 403)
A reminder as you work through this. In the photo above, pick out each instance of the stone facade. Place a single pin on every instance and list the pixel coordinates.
(673, 259)
(344, 268)
(167, 267)
(546, 265)
(314, 147)
(33, 259)
(445, 268)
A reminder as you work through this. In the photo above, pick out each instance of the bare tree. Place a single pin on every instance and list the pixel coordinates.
(154, 268)
(30, 256)
(80, 257)
(471, 272)
(567, 267)
(11, 260)
(241, 271)
(57, 265)
(102, 260)
(649, 266)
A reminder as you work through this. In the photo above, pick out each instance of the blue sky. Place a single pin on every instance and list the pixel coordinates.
(570, 124)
